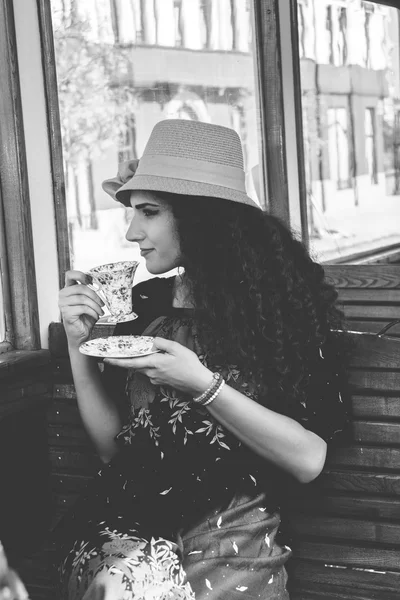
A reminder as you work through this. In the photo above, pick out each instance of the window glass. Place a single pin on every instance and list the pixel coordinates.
(350, 89)
(3, 289)
(124, 65)
(2, 315)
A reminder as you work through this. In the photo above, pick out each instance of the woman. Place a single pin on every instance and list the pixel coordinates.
(246, 386)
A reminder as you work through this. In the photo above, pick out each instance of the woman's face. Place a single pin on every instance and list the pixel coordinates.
(153, 227)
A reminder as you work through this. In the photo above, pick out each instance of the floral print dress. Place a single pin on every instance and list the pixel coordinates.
(184, 511)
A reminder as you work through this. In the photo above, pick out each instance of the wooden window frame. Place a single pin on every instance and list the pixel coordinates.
(55, 139)
(18, 267)
(278, 78)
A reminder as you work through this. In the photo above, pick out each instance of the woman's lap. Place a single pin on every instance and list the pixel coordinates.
(231, 554)
(135, 569)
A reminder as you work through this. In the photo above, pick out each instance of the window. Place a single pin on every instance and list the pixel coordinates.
(111, 94)
(127, 141)
(301, 25)
(368, 10)
(126, 21)
(370, 144)
(3, 289)
(350, 92)
(338, 147)
(329, 32)
(178, 22)
(395, 154)
(342, 36)
(336, 28)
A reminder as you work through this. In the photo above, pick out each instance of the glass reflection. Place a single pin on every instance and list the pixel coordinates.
(123, 65)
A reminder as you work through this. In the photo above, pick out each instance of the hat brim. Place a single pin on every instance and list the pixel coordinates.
(171, 185)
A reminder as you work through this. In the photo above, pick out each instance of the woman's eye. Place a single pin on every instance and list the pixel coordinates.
(149, 213)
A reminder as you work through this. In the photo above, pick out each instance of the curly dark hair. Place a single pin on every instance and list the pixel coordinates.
(262, 302)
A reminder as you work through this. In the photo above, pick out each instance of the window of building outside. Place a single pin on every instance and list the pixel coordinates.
(2, 315)
(368, 10)
(336, 33)
(5, 316)
(338, 141)
(301, 25)
(124, 65)
(370, 144)
(2, 290)
(350, 92)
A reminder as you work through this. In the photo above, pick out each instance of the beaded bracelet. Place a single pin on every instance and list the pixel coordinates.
(212, 392)
(215, 394)
(205, 395)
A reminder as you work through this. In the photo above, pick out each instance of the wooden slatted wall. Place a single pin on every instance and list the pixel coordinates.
(346, 536)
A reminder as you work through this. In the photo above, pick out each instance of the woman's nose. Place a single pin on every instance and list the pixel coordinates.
(134, 234)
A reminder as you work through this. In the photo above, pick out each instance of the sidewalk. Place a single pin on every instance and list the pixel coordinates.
(349, 229)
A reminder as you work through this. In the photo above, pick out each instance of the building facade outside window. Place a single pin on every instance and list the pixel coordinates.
(350, 90)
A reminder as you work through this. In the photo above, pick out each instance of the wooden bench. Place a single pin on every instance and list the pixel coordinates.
(346, 529)
(346, 535)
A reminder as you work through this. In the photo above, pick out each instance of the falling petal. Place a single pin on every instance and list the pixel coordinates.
(235, 547)
(262, 509)
(267, 540)
(219, 523)
(165, 491)
(162, 455)
(241, 588)
(195, 552)
(208, 584)
(272, 579)
(320, 353)
(253, 479)
(288, 548)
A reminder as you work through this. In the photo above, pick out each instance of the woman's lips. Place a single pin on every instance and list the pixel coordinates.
(146, 251)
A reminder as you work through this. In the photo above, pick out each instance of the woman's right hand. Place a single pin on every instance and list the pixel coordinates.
(80, 308)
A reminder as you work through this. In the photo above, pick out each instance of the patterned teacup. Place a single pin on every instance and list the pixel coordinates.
(113, 283)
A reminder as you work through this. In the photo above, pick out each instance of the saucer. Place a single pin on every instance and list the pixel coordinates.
(119, 346)
(111, 320)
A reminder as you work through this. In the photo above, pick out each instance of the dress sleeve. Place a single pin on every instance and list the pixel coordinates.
(325, 408)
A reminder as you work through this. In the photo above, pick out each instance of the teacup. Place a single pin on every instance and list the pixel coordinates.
(113, 283)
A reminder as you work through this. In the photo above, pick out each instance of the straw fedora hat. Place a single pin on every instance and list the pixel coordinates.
(185, 157)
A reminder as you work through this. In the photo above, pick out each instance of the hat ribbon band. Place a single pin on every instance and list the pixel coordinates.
(192, 170)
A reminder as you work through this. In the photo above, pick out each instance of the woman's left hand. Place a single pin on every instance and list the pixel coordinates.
(175, 365)
(11, 586)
